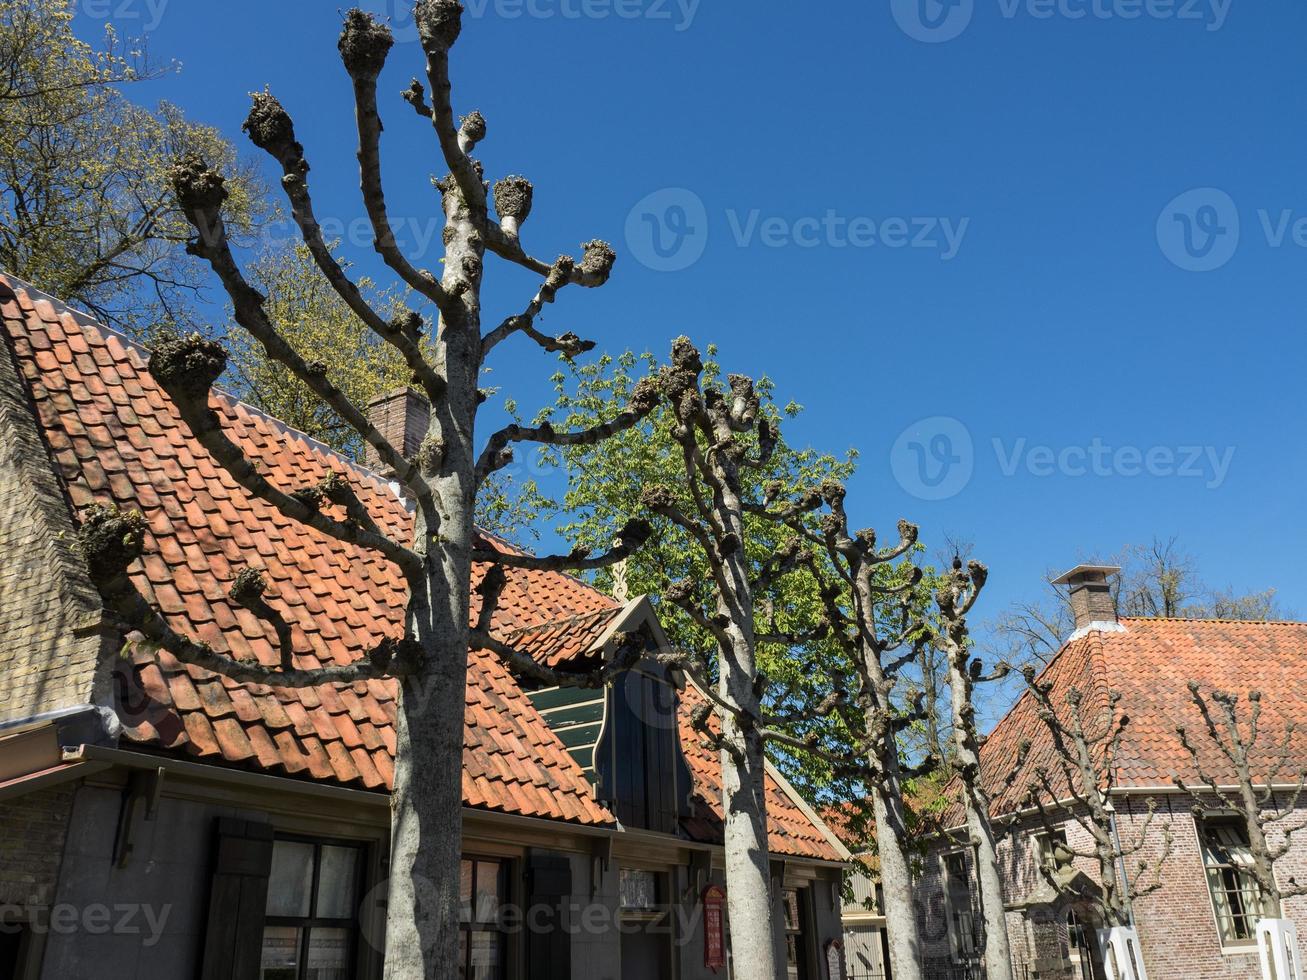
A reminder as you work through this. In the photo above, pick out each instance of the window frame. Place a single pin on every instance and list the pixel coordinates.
(1243, 876)
(1044, 858)
(968, 951)
(306, 925)
(470, 925)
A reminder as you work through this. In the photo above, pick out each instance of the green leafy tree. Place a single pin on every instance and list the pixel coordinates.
(87, 212)
(605, 483)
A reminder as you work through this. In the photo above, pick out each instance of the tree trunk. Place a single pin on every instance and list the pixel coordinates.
(895, 874)
(749, 900)
(748, 865)
(422, 923)
(996, 951)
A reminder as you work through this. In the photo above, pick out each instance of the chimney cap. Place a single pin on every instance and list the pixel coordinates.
(1086, 571)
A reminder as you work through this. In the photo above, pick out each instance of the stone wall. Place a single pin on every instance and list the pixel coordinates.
(49, 611)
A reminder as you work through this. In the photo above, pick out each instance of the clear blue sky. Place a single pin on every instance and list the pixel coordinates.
(1063, 310)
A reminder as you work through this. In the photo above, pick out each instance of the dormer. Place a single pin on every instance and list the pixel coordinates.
(625, 736)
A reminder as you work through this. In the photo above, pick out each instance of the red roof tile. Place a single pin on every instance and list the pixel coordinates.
(1151, 665)
(341, 600)
(790, 832)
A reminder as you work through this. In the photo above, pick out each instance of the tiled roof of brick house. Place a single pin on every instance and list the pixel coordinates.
(1151, 664)
(114, 437)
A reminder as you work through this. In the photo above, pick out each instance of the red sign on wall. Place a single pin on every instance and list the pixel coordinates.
(714, 928)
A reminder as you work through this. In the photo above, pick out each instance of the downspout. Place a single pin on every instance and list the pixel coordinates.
(1122, 873)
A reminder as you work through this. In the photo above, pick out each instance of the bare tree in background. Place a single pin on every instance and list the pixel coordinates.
(1086, 737)
(430, 659)
(1157, 579)
(1251, 794)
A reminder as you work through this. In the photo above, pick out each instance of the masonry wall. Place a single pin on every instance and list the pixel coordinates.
(32, 833)
(1177, 925)
(49, 611)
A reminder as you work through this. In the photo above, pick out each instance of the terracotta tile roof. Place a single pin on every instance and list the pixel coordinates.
(116, 438)
(791, 833)
(564, 640)
(1151, 664)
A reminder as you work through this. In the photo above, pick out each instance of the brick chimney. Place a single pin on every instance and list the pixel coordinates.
(1091, 598)
(402, 417)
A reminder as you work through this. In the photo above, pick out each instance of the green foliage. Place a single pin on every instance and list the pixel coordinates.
(604, 484)
(315, 321)
(86, 210)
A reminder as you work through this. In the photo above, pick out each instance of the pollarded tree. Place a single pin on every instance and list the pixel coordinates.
(1252, 795)
(874, 612)
(1086, 739)
(955, 599)
(430, 660)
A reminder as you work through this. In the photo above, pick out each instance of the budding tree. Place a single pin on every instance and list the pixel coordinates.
(1251, 793)
(1086, 739)
(430, 660)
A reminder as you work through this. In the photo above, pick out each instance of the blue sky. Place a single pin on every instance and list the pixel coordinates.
(962, 236)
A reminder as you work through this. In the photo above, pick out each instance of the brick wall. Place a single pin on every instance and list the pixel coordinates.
(33, 829)
(49, 611)
(1177, 927)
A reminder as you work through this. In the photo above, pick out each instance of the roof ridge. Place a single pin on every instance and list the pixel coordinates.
(1212, 620)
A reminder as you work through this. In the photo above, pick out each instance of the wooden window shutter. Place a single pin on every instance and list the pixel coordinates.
(238, 899)
(548, 944)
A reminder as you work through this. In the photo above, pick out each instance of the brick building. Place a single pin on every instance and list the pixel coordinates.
(157, 820)
(1200, 924)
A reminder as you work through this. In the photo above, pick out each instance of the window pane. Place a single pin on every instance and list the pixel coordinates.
(336, 882)
(466, 874)
(281, 953)
(291, 882)
(638, 889)
(487, 891)
(791, 900)
(328, 954)
(485, 955)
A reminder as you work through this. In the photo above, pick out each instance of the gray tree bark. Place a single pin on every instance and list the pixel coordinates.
(430, 661)
(955, 601)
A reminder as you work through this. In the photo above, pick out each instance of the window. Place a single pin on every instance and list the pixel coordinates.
(796, 947)
(1053, 852)
(1077, 938)
(484, 942)
(957, 901)
(646, 924)
(1234, 891)
(311, 924)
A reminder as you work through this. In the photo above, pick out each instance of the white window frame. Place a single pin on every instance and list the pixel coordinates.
(1200, 825)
